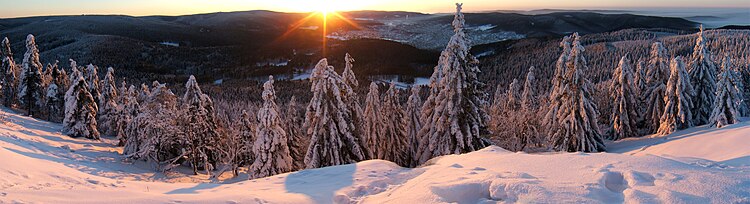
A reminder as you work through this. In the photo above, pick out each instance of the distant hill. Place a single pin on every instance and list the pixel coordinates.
(219, 45)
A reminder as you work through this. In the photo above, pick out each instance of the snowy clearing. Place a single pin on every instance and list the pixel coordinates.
(699, 165)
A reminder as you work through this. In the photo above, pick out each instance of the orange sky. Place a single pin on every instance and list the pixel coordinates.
(17, 8)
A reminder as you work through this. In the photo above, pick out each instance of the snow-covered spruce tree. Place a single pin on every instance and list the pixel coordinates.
(270, 149)
(624, 110)
(529, 101)
(413, 124)
(372, 124)
(30, 86)
(329, 123)
(348, 73)
(678, 100)
(728, 97)
(126, 113)
(703, 77)
(55, 100)
(351, 98)
(657, 75)
(200, 127)
(499, 102)
(248, 126)
(513, 95)
(9, 69)
(92, 77)
(394, 130)
(80, 112)
(530, 133)
(297, 141)
(108, 105)
(454, 124)
(550, 120)
(154, 135)
(576, 128)
(51, 101)
(639, 80)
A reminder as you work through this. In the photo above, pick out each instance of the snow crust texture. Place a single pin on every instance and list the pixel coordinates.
(697, 165)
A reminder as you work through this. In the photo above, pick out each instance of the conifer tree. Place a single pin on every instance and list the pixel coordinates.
(530, 133)
(550, 120)
(55, 100)
(92, 77)
(372, 134)
(513, 95)
(126, 113)
(395, 139)
(576, 127)
(413, 123)
(454, 124)
(9, 70)
(624, 111)
(703, 77)
(529, 99)
(200, 127)
(80, 112)
(678, 100)
(30, 87)
(270, 149)
(728, 97)
(329, 121)
(108, 108)
(155, 135)
(297, 141)
(247, 132)
(657, 75)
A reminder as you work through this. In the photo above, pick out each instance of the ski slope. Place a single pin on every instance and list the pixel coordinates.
(700, 165)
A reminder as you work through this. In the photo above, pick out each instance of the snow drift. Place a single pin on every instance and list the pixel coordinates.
(699, 165)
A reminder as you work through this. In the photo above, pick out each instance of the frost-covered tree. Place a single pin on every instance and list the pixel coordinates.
(624, 110)
(703, 77)
(30, 87)
(126, 113)
(372, 124)
(529, 99)
(550, 120)
(639, 80)
(394, 130)
(108, 105)
(270, 149)
(657, 75)
(350, 97)
(576, 127)
(678, 100)
(55, 99)
(413, 123)
(154, 135)
(297, 141)
(454, 124)
(513, 96)
(728, 97)
(80, 112)
(92, 77)
(200, 127)
(9, 70)
(329, 121)
(247, 130)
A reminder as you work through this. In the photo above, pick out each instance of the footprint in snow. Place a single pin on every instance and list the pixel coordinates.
(457, 166)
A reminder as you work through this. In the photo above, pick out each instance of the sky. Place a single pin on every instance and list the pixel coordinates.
(21, 8)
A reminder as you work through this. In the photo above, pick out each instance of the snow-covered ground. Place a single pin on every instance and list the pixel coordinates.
(700, 165)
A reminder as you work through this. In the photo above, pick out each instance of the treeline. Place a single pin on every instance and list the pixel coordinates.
(656, 94)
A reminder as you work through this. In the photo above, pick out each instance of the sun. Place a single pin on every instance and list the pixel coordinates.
(324, 7)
